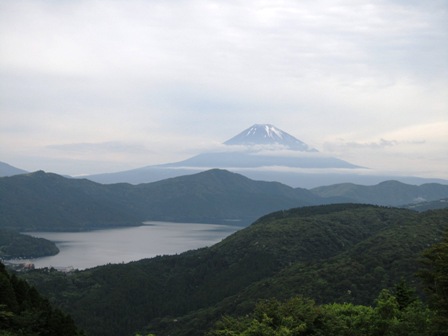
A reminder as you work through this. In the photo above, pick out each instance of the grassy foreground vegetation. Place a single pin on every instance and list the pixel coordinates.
(345, 257)
(300, 316)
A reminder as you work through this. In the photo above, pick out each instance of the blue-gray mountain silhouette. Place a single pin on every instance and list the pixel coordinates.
(8, 170)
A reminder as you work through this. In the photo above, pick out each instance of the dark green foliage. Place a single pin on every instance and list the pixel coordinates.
(23, 312)
(300, 316)
(337, 253)
(404, 294)
(16, 245)
(378, 247)
(435, 276)
(296, 316)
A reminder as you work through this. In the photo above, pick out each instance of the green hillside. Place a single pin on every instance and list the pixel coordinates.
(16, 245)
(43, 201)
(216, 196)
(334, 253)
(23, 312)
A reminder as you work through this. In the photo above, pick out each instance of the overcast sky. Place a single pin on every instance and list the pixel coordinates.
(100, 86)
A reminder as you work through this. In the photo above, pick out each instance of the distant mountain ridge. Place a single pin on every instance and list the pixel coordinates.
(45, 201)
(8, 170)
(391, 193)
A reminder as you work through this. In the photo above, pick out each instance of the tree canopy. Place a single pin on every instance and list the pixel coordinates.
(23, 312)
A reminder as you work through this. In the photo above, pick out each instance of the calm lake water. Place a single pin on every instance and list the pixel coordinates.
(82, 250)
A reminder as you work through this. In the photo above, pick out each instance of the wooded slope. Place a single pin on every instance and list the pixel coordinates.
(43, 201)
(334, 253)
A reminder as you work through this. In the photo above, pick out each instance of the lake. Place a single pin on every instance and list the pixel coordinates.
(82, 250)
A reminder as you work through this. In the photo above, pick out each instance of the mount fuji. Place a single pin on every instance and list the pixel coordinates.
(266, 134)
(263, 146)
(262, 152)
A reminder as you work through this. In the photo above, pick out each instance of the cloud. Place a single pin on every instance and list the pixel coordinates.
(215, 40)
(341, 144)
(427, 136)
(104, 147)
(417, 149)
(160, 74)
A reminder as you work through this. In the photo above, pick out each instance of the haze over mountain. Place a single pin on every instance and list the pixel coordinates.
(263, 152)
(390, 193)
(8, 170)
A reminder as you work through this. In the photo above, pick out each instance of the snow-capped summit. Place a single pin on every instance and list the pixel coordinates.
(266, 134)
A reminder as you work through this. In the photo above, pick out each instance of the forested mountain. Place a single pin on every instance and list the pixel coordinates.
(45, 201)
(16, 245)
(391, 193)
(334, 253)
(23, 312)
